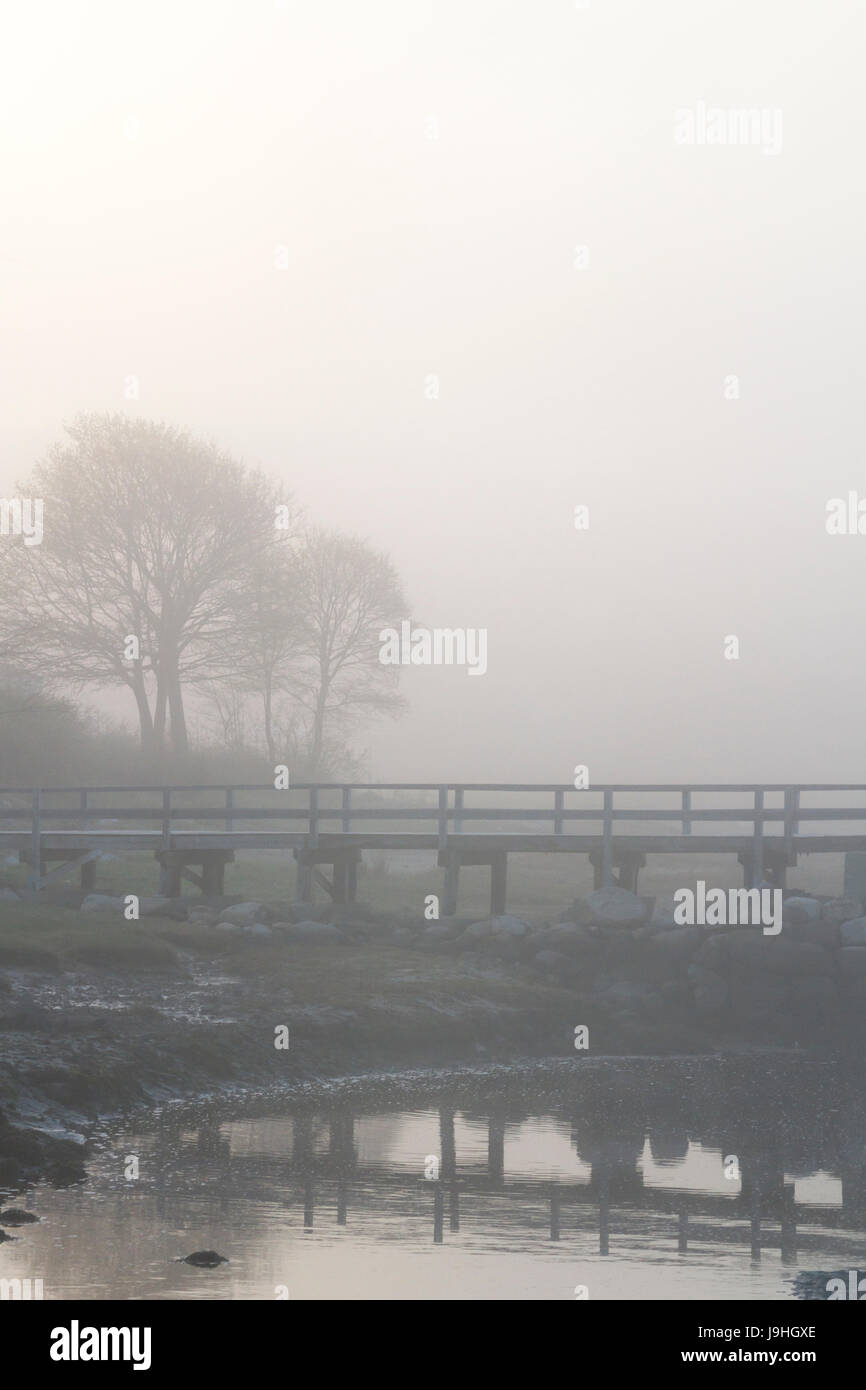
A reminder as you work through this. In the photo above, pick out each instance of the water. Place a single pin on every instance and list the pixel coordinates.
(629, 1179)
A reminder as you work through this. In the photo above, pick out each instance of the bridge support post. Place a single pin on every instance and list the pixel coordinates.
(496, 1148)
(304, 882)
(88, 876)
(498, 883)
(628, 866)
(452, 879)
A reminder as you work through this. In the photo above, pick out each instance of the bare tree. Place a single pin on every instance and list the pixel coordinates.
(149, 534)
(348, 593)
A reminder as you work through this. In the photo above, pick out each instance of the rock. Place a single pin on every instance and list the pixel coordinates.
(823, 933)
(204, 1259)
(853, 933)
(8, 895)
(709, 990)
(617, 907)
(509, 926)
(259, 931)
(565, 936)
(851, 962)
(5, 1236)
(841, 910)
(234, 928)
(65, 1174)
(203, 916)
(101, 902)
(677, 943)
(153, 907)
(814, 997)
(476, 931)
(14, 1216)
(551, 960)
(317, 933)
(242, 913)
(756, 998)
(626, 994)
(798, 910)
(580, 913)
(748, 951)
(438, 931)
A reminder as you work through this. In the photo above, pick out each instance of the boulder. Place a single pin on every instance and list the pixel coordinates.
(204, 1259)
(153, 907)
(813, 995)
(709, 990)
(511, 927)
(617, 907)
(851, 962)
(15, 1216)
(102, 902)
(748, 951)
(841, 910)
(260, 931)
(551, 960)
(853, 933)
(676, 944)
(317, 934)
(438, 931)
(798, 910)
(755, 999)
(824, 933)
(234, 928)
(632, 995)
(477, 931)
(242, 913)
(565, 936)
(580, 913)
(203, 916)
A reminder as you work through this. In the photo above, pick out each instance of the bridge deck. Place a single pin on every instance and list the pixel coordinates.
(766, 825)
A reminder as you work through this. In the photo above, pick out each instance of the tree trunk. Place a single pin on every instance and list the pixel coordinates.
(159, 714)
(145, 720)
(318, 738)
(179, 736)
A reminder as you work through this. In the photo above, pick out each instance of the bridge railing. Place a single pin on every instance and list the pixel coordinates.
(347, 807)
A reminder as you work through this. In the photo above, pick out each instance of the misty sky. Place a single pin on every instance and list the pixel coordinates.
(154, 156)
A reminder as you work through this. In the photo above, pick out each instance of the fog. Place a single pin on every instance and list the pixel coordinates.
(424, 173)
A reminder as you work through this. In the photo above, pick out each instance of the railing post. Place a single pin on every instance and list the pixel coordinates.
(443, 817)
(758, 842)
(347, 810)
(230, 806)
(458, 808)
(314, 817)
(687, 806)
(607, 843)
(166, 818)
(36, 843)
(790, 811)
(558, 801)
(82, 804)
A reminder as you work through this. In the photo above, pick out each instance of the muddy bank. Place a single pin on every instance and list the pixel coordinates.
(99, 1016)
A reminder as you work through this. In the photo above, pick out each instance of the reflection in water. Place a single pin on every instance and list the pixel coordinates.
(704, 1178)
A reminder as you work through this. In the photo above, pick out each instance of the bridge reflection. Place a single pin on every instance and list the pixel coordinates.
(707, 1157)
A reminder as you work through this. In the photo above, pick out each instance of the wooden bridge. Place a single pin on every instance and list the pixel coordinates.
(194, 831)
